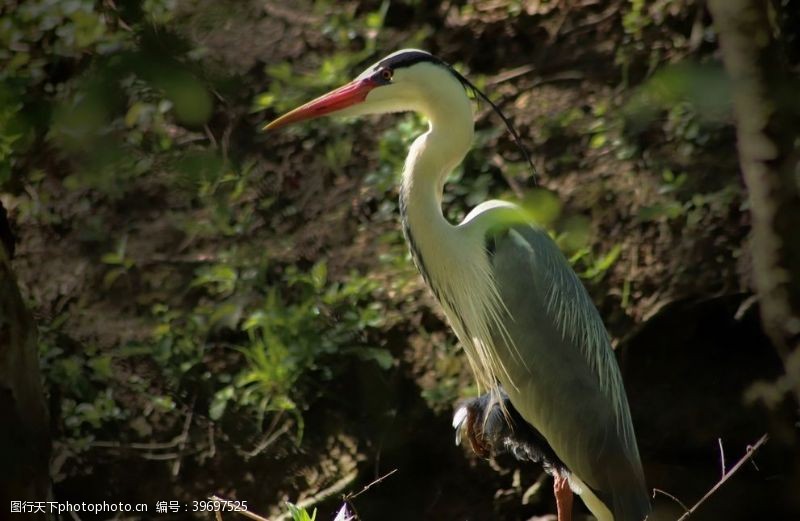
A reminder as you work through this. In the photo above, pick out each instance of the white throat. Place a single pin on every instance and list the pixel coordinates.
(451, 258)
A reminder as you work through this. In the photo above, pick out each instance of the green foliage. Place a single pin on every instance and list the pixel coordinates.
(392, 150)
(595, 266)
(298, 333)
(120, 264)
(572, 233)
(110, 117)
(645, 22)
(115, 97)
(680, 203)
(543, 206)
(288, 88)
(300, 513)
(447, 384)
(694, 98)
(83, 378)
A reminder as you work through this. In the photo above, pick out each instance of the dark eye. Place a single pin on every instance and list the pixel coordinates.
(386, 74)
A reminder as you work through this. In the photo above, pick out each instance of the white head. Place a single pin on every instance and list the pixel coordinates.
(407, 80)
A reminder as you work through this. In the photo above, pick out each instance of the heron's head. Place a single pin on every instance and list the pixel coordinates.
(408, 80)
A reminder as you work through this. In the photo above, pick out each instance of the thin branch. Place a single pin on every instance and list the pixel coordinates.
(212, 446)
(167, 456)
(524, 70)
(510, 74)
(135, 446)
(211, 137)
(267, 441)
(588, 24)
(749, 454)
(324, 494)
(348, 497)
(667, 494)
(721, 457)
(184, 437)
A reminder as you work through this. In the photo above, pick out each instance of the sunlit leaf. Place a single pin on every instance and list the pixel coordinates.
(378, 355)
(575, 234)
(543, 206)
(319, 275)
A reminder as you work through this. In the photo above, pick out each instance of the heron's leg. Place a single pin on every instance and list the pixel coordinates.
(563, 497)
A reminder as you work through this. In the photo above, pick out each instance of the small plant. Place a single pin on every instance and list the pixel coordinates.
(118, 262)
(300, 513)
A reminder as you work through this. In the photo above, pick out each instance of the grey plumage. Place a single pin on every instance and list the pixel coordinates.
(585, 420)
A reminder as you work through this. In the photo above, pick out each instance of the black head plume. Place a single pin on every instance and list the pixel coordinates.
(413, 56)
(477, 93)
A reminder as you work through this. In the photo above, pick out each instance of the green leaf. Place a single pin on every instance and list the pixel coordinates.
(263, 101)
(101, 365)
(381, 356)
(602, 264)
(597, 141)
(111, 277)
(543, 206)
(112, 257)
(300, 514)
(220, 402)
(575, 235)
(319, 275)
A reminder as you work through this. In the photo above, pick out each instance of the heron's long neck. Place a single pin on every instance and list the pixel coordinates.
(431, 158)
(433, 241)
(451, 258)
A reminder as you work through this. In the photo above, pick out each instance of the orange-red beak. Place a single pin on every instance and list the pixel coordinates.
(341, 98)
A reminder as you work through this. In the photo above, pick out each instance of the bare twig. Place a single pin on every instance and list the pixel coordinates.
(524, 70)
(136, 446)
(212, 446)
(199, 258)
(510, 74)
(499, 162)
(161, 457)
(721, 457)
(591, 22)
(749, 454)
(184, 437)
(211, 137)
(267, 441)
(324, 494)
(745, 306)
(348, 497)
(560, 76)
(667, 494)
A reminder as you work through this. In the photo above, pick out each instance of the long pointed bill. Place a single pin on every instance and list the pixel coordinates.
(341, 98)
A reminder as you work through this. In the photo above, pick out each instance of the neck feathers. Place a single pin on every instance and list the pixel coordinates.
(452, 259)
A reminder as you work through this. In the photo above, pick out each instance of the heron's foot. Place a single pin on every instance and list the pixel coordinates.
(493, 426)
(476, 437)
(563, 497)
(468, 420)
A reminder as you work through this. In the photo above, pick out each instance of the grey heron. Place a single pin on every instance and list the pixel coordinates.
(518, 309)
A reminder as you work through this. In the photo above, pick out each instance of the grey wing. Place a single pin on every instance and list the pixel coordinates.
(562, 374)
